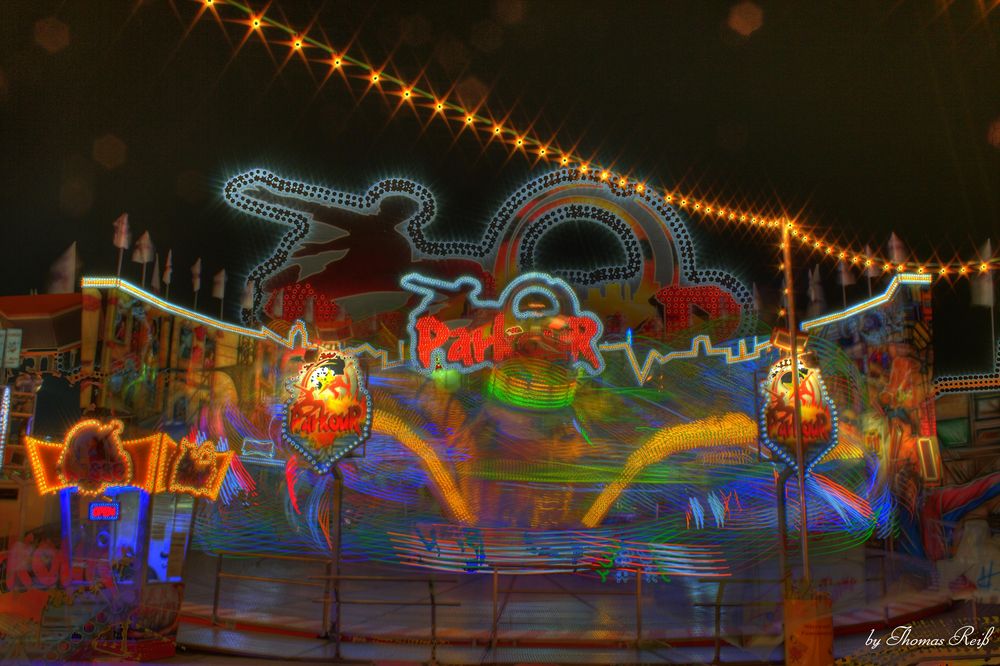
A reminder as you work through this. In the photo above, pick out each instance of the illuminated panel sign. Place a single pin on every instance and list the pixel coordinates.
(536, 315)
(329, 410)
(104, 511)
(92, 458)
(818, 415)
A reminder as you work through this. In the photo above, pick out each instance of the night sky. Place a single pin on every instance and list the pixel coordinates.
(859, 118)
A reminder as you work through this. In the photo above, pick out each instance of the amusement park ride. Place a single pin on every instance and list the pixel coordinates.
(397, 400)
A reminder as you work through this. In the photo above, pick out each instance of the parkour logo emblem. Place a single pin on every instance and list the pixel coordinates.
(329, 410)
(535, 315)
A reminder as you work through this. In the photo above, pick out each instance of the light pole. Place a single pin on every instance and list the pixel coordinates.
(800, 455)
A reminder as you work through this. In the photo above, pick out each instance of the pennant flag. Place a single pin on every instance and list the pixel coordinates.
(817, 299)
(168, 268)
(219, 284)
(62, 275)
(278, 307)
(982, 285)
(144, 251)
(122, 238)
(246, 301)
(309, 310)
(155, 284)
(897, 251)
(845, 276)
(872, 271)
(196, 276)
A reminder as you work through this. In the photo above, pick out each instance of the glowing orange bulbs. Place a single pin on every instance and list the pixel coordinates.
(299, 43)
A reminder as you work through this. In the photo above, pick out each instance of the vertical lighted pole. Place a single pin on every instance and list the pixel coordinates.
(800, 454)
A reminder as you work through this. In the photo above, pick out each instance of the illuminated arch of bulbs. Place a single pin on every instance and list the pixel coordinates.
(539, 150)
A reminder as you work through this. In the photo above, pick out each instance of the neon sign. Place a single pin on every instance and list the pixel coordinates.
(329, 412)
(536, 315)
(818, 412)
(92, 458)
(104, 511)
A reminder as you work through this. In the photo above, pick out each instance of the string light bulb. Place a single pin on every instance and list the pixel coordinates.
(299, 44)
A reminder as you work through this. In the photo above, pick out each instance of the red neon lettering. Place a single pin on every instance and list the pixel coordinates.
(431, 334)
(579, 334)
(102, 511)
(318, 423)
(464, 347)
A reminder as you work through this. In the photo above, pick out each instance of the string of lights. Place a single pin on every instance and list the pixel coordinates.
(541, 151)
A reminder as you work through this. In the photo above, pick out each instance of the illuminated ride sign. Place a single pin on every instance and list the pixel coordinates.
(536, 316)
(93, 458)
(329, 411)
(818, 413)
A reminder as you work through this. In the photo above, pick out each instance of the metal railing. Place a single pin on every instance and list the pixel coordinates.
(332, 630)
(720, 603)
(498, 609)
(333, 600)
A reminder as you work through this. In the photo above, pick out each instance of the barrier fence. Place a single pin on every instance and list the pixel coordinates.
(726, 622)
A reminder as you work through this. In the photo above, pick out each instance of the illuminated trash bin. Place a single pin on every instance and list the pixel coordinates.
(809, 631)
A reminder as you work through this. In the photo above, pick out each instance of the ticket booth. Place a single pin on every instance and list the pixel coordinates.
(126, 508)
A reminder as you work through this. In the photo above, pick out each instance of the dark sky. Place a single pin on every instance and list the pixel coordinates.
(865, 117)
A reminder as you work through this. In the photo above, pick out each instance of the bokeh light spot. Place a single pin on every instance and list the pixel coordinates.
(109, 151)
(745, 18)
(51, 34)
(509, 11)
(993, 135)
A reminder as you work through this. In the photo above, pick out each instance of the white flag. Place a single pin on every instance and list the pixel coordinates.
(168, 268)
(278, 306)
(219, 284)
(757, 302)
(156, 274)
(982, 283)
(246, 302)
(845, 276)
(144, 251)
(62, 275)
(874, 270)
(309, 310)
(122, 238)
(817, 299)
(196, 276)
(897, 251)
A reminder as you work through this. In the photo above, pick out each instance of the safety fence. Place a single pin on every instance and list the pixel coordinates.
(494, 608)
